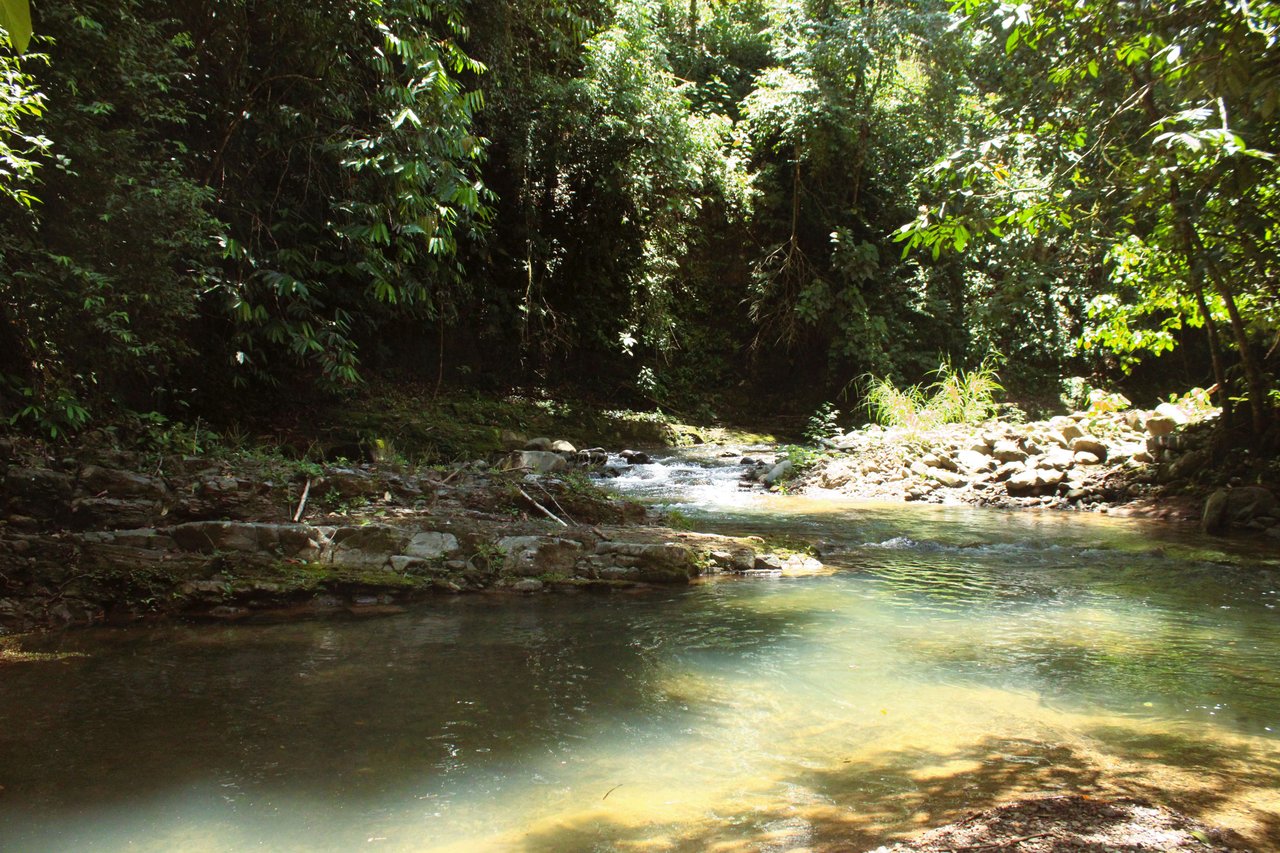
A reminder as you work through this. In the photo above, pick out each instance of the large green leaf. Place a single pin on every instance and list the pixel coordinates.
(15, 17)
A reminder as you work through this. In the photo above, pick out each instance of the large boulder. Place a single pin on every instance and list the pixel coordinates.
(972, 460)
(288, 540)
(1237, 507)
(535, 462)
(531, 556)
(655, 563)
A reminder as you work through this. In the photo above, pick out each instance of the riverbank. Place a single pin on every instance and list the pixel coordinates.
(101, 535)
(1163, 463)
(198, 528)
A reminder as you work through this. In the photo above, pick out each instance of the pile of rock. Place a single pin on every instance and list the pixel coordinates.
(555, 456)
(1092, 458)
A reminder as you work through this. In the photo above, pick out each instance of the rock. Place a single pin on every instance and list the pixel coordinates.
(777, 473)
(1214, 517)
(539, 443)
(535, 461)
(562, 446)
(1188, 464)
(657, 563)
(351, 483)
(592, 456)
(1058, 458)
(1158, 425)
(1135, 420)
(972, 460)
(528, 556)
(115, 512)
(1173, 413)
(934, 460)
(113, 483)
(527, 585)
(1005, 450)
(289, 540)
(636, 457)
(1089, 444)
(1071, 432)
(741, 559)
(1033, 481)
(512, 440)
(1056, 437)
(1249, 502)
(1084, 458)
(1007, 470)
(370, 546)
(431, 545)
(950, 479)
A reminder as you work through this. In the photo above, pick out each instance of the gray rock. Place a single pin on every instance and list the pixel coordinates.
(950, 479)
(1084, 458)
(1089, 444)
(935, 460)
(431, 545)
(1071, 432)
(733, 559)
(1158, 425)
(1005, 450)
(371, 546)
(527, 585)
(541, 443)
(636, 457)
(529, 556)
(657, 563)
(1188, 464)
(113, 483)
(562, 446)
(972, 460)
(535, 461)
(778, 472)
(289, 540)
(1058, 458)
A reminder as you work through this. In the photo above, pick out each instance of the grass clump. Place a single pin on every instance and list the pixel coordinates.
(955, 397)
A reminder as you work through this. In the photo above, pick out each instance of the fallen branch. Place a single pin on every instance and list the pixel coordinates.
(302, 504)
(548, 513)
(565, 512)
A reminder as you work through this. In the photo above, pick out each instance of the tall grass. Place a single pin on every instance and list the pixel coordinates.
(955, 397)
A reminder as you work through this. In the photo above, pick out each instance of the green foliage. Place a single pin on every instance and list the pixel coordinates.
(823, 424)
(15, 23)
(21, 104)
(956, 396)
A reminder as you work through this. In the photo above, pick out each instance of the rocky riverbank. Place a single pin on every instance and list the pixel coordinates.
(102, 535)
(1162, 462)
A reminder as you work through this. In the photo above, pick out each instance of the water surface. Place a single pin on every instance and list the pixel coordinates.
(956, 658)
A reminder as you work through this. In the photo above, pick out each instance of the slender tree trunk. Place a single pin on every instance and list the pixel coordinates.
(1198, 260)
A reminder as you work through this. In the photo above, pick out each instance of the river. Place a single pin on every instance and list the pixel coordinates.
(955, 657)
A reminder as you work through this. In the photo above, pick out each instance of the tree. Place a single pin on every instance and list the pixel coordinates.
(1131, 120)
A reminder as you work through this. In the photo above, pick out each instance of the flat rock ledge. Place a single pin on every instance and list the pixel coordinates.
(234, 569)
(1071, 823)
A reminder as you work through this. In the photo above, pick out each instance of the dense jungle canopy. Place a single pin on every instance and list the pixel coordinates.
(684, 202)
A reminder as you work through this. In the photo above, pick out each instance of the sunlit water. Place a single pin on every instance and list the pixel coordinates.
(956, 658)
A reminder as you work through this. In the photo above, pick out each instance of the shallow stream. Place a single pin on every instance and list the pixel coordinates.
(955, 658)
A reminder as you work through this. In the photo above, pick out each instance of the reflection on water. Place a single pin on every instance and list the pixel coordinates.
(957, 657)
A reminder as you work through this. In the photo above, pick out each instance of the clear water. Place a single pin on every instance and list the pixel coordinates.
(956, 658)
